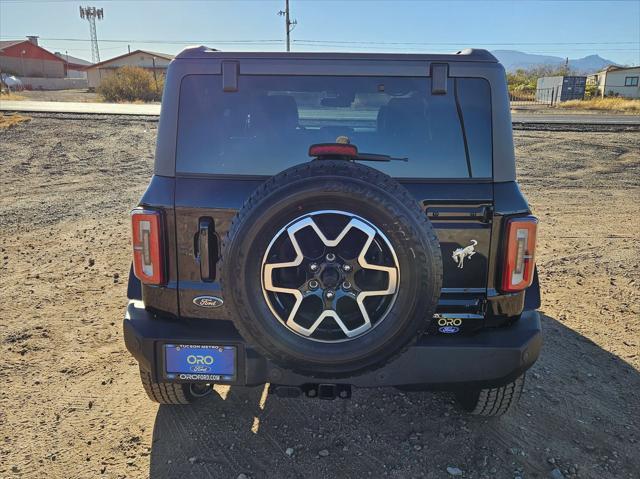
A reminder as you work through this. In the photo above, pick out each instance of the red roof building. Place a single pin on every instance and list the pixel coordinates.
(24, 58)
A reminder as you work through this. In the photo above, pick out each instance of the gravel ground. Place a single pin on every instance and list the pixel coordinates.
(72, 406)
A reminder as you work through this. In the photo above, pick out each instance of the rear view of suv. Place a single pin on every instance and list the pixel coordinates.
(326, 221)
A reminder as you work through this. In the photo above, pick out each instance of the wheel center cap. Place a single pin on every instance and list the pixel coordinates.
(330, 277)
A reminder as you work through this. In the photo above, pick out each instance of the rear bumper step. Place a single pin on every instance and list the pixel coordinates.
(489, 358)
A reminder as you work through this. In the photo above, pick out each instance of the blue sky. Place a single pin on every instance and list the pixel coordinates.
(562, 28)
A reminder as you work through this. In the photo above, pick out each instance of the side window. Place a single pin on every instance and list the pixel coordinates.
(631, 81)
(474, 97)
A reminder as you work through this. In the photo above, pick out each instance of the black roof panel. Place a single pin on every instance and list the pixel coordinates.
(467, 55)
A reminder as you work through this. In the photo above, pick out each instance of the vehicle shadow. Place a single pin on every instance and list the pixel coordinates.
(578, 414)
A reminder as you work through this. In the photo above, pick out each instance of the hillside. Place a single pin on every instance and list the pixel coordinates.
(514, 60)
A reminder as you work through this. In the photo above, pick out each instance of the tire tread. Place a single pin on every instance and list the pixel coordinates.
(165, 393)
(500, 400)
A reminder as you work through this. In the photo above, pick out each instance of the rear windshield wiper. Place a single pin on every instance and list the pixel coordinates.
(378, 157)
(346, 151)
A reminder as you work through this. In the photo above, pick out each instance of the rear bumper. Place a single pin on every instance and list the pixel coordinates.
(489, 358)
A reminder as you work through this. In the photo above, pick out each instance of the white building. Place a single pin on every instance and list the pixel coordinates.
(74, 67)
(140, 58)
(617, 81)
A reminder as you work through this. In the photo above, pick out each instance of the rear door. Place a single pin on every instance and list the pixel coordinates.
(462, 215)
(230, 142)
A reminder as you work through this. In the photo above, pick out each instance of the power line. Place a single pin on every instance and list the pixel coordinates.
(332, 42)
(367, 42)
(80, 49)
(168, 42)
(417, 49)
(309, 1)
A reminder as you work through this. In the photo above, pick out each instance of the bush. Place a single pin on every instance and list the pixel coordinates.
(590, 90)
(132, 84)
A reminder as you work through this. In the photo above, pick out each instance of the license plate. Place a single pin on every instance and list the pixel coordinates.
(200, 362)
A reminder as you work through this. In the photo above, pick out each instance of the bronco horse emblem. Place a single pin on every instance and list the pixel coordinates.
(461, 253)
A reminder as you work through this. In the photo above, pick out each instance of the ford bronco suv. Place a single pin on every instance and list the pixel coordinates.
(322, 221)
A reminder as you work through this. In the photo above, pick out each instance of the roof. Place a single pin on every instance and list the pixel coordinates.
(9, 43)
(155, 54)
(28, 45)
(616, 68)
(72, 60)
(562, 76)
(161, 55)
(117, 67)
(467, 55)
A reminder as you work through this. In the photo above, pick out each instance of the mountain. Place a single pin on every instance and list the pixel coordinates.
(513, 59)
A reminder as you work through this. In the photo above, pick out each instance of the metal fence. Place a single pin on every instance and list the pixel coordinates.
(543, 96)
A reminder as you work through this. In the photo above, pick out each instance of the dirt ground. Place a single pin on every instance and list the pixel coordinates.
(82, 95)
(71, 404)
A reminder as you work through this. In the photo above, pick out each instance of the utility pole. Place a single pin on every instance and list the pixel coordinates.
(155, 78)
(91, 14)
(22, 62)
(289, 25)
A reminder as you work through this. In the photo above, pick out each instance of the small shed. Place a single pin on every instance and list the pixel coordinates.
(153, 61)
(560, 88)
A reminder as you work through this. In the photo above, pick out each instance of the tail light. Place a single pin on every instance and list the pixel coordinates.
(148, 265)
(519, 261)
(333, 149)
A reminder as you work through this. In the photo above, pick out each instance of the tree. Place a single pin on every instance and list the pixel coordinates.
(524, 81)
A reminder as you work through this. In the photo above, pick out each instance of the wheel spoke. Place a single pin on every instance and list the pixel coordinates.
(329, 313)
(268, 268)
(392, 273)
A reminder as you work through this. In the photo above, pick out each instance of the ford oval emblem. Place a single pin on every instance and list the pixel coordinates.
(449, 329)
(208, 301)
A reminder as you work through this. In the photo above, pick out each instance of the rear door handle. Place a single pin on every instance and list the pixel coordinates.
(205, 256)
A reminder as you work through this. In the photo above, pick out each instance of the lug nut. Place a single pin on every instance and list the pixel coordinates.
(313, 267)
(313, 284)
(346, 267)
(331, 257)
(346, 285)
(330, 294)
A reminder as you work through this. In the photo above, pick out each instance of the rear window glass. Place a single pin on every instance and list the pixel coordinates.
(271, 121)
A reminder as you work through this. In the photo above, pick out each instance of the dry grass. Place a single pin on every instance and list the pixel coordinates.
(626, 105)
(7, 121)
(11, 96)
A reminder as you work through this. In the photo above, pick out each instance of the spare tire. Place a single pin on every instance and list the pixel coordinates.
(331, 268)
